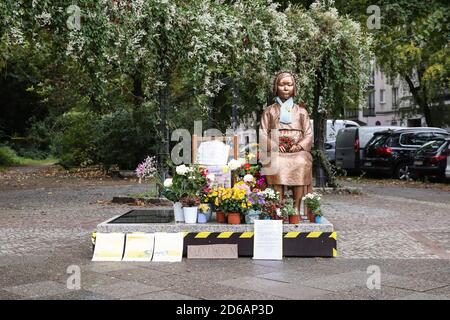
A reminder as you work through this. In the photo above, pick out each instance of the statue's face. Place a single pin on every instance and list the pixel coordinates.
(285, 87)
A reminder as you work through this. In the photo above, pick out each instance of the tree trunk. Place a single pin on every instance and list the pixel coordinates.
(420, 98)
(137, 90)
(319, 133)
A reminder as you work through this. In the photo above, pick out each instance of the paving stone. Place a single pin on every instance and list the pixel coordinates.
(411, 283)
(423, 296)
(39, 289)
(78, 295)
(161, 295)
(5, 295)
(360, 293)
(282, 289)
(106, 267)
(445, 291)
(123, 289)
(145, 276)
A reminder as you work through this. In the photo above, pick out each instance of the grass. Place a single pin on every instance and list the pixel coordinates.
(8, 158)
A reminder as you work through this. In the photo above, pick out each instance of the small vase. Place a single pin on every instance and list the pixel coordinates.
(251, 216)
(234, 218)
(190, 214)
(178, 212)
(295, 219)
(318, 219)
(202, 218)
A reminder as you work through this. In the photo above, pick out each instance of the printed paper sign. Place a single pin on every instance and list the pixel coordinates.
(139, 247)
(268, 240)
(168, 247)
(109, 247)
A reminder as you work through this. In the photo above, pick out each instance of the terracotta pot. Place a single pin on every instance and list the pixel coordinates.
(310, 215)
(220, 217)
(294, 219)
(234, 218)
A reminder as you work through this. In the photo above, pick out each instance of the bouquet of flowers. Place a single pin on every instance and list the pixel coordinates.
(287, 142)
(147, 169)
(312, 201)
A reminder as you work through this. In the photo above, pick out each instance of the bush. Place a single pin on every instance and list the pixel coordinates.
(124, 138)
(74, 143)
(8, 157)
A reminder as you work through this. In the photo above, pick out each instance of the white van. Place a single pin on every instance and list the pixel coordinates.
(333, 127)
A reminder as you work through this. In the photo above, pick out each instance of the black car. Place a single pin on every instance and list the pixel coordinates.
(390, 151)
(431, 159)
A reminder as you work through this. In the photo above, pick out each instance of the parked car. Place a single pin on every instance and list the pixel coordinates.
(390, 151)
(330, 151)
(350, 144)
(432, 159)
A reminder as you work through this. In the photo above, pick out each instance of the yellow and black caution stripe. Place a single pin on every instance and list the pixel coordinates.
(295, 244)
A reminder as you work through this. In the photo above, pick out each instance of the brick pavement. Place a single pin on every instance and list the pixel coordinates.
(43, 231)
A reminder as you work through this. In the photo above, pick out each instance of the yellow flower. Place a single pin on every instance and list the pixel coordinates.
(225, 169)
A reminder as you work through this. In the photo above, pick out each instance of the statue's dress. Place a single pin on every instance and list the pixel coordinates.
(295, 168)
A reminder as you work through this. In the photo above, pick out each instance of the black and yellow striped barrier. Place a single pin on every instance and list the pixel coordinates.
(295, 244)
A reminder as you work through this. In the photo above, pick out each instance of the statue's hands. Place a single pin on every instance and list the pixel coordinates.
(282, 149)
(296, 148)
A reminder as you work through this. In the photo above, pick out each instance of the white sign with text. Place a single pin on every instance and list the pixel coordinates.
(268, 240)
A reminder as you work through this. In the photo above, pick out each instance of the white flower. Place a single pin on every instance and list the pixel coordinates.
(279, 212)
(182, 169)
(168, 182)
(211, 177)
(234, 164)
(248, 178)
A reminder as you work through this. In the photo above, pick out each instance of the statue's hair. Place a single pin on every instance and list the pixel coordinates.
(278, 76)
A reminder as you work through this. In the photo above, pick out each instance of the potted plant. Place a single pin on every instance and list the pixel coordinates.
(271, 204)
(171, 193)
(312, 202)
(190, 205)
(289, 211)
(234, 202)
(204, 213)
(256, 199)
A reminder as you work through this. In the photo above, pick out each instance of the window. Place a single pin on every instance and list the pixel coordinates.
(382, 95)
(394, 97)
(415, 138)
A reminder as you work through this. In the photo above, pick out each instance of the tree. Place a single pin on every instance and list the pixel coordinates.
(412, 43)
(339, 59)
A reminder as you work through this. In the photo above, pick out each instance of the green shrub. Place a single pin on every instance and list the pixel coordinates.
(125, 138)
(8, 157)
(74, 140)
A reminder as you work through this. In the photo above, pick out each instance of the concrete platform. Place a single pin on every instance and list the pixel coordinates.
(299, 240)
(107, 227)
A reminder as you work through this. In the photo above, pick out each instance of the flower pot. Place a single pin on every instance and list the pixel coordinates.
(190, 214)
(310, 215)
(295, 219)
(208, 215)
(202, 218)
(251, 216)
(234, 218)
(318, 219)
(220, 217)
(178, 212)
